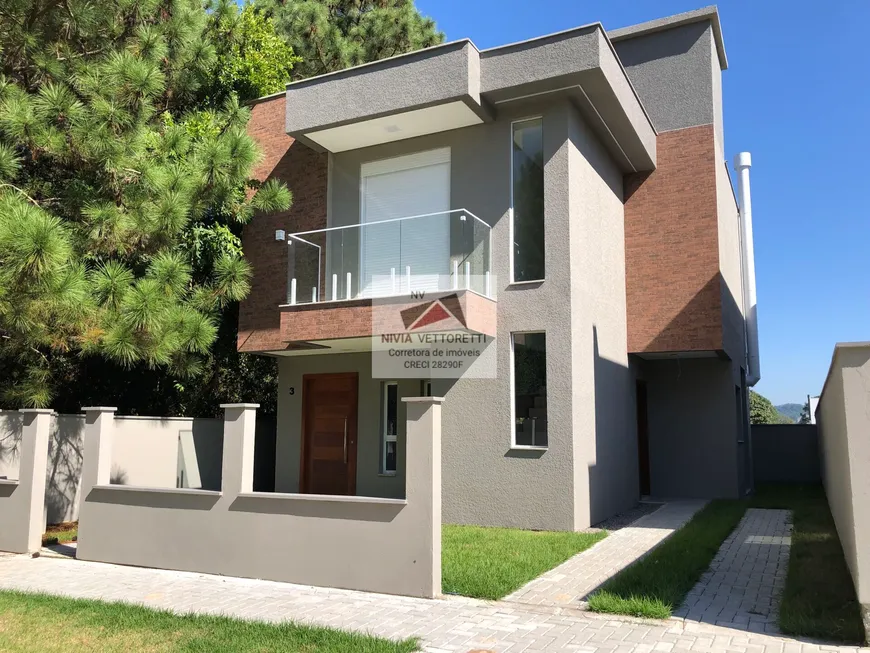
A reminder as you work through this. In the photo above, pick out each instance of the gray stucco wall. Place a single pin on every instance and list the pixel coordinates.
(786, 453)
(485, 480)
(671, 71)
(693, 428)
(605, 430)
(730, 267)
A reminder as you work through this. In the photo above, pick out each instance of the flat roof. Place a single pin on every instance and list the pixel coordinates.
(710, 13)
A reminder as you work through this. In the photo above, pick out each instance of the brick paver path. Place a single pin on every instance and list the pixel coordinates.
(572, 581)
(444, 626)
(745, 581)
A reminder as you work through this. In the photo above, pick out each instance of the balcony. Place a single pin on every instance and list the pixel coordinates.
(349, 283)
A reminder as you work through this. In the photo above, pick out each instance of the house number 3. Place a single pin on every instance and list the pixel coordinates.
(292, 390)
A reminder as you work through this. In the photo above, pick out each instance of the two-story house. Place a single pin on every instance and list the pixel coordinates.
(572, 193)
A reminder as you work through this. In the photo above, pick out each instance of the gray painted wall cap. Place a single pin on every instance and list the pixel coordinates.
(239, 405)
(423, 400)
(38, 411)
(102, 409)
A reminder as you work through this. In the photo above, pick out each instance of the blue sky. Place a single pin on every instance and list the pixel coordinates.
(797, 96)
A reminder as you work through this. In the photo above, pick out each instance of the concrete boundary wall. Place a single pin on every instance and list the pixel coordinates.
(786, 453)
(21, 499)
(147, 451)
(843, 418)
(391, 546)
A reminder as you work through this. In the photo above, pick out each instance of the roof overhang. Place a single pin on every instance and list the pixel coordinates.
(455, 85)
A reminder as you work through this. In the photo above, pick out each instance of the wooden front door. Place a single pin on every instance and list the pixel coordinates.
(329, 421)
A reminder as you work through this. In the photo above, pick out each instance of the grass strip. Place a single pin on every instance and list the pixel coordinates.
(819, 597)
(657, 584)
(490, 563)
(37, 623)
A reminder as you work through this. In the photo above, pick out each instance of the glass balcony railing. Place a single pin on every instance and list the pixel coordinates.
(436, 252)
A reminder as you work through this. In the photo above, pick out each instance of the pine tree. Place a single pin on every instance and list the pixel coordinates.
(118, 193)
(333, 34)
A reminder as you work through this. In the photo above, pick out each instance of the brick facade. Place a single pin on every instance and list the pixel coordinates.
(673, 283)
(305, 173)
(358, 319)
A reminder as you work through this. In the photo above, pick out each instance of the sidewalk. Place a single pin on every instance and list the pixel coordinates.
(573, 580)
(447, 625)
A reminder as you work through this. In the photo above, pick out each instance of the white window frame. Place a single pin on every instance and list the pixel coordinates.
(384, 428)
(513, 281)
(513, 397)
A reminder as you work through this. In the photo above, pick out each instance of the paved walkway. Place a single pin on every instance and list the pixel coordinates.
(744, 584)
(444, 626)
(572, 581)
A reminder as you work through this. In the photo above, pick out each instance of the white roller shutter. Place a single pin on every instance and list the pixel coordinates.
(417, 184)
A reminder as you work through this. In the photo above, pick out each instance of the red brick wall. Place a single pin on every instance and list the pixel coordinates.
(305, 173)
(672, 248)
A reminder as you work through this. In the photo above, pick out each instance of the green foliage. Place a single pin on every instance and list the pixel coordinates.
(762, 411)
(331, 35)
(252, 59)
(119, 196)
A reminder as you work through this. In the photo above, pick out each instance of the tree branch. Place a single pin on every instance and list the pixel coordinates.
(32, 201)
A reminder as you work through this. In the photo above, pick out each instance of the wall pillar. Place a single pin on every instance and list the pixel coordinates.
(423, 477)
(238, 457)
(97, 449)
(22, 505)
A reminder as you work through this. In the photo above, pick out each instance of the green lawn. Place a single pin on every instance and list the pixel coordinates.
(819, 597)
(658, 583)
(490, 563)
(32, 623)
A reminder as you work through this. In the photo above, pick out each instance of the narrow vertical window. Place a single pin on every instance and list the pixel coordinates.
(530, 389)
(390, 427)
(527, 200)
(426, 388)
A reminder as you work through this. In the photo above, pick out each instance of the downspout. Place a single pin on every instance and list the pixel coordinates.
(742, 164)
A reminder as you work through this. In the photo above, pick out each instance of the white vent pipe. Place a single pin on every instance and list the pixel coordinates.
(742, 164)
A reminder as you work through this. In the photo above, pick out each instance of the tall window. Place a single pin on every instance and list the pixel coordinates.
(390, 420)
(530, 389)
(527, 200)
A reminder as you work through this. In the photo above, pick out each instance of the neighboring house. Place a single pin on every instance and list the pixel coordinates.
(606, 255)
(812, 404)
